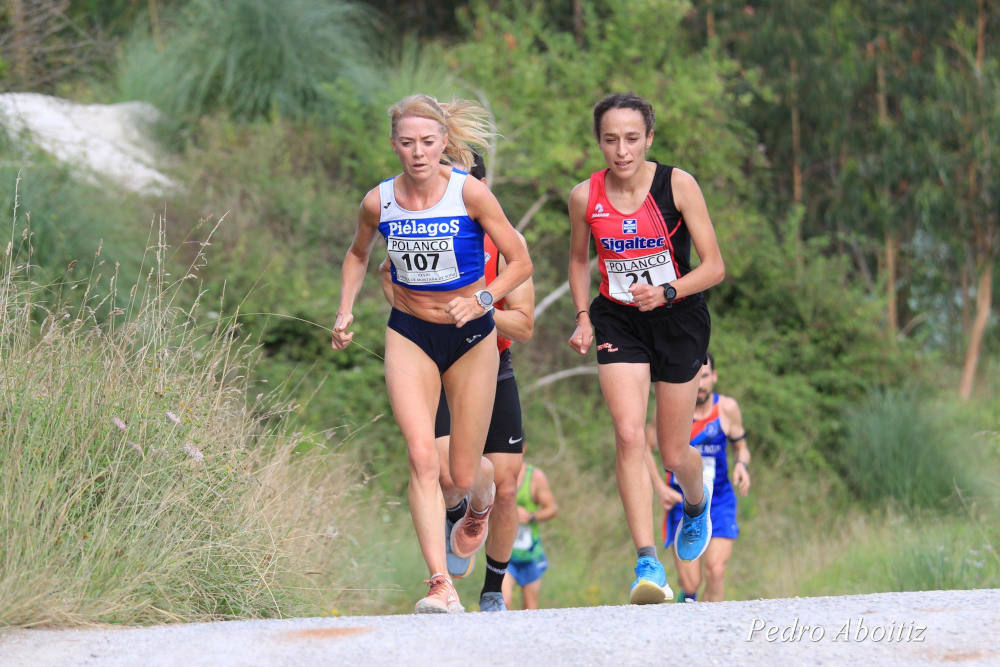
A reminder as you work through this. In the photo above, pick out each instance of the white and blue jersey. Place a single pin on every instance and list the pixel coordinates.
(439, 248)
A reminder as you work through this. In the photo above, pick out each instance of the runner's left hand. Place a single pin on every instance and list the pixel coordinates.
(647, 297)
(463, 309)
(741, 479)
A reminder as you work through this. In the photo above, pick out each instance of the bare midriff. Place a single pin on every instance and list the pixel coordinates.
(430, 306)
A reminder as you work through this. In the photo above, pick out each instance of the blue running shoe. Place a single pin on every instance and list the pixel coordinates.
(492, 601)
(694, 532)
(650, 585)
(459, 568)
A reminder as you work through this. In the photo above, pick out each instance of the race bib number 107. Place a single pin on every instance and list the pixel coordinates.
(423, 261)
(655, 269)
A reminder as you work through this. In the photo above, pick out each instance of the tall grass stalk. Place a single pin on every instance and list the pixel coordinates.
(137, 484)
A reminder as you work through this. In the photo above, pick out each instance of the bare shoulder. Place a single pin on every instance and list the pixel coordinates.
(578, 198)
(479, 199)
(539, 474)
(580, 193)
(372, 203)
(728, 405)
(683, 182)
(474, 188)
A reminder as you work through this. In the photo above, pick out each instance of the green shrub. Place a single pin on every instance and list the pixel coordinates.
(897, 446)
(249, 58)
(941, 564)
(62, 218)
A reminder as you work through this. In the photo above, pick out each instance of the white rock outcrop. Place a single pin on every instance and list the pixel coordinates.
(108, 141)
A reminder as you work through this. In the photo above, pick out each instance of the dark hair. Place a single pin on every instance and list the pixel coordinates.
(711, 360)
(478, 170)
(624, 101)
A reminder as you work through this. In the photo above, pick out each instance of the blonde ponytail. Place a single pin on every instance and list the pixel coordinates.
(467, 124)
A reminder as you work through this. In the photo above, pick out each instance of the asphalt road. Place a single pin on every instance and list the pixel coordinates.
(925, 628)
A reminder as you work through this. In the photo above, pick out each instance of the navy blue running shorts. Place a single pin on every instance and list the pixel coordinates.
(443, 343)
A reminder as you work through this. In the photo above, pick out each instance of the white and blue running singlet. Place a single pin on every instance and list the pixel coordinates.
(439, 248)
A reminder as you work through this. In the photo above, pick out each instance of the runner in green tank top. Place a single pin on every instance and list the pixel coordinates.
(535, 503)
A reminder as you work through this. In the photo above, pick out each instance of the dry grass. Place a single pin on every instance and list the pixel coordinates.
(138, 484)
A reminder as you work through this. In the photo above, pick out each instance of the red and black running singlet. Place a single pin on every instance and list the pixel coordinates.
(492, 268)
(651, 245)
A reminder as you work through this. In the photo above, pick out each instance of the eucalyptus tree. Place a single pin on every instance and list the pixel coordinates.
(963, 125)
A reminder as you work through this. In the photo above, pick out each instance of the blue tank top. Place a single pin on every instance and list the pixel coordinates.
(710, 440)
(437, 249)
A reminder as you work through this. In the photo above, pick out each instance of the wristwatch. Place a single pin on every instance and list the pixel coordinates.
(669, 293)
(485, 299)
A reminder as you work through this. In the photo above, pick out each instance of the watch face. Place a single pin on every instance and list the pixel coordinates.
(485, 298)
(669, 292)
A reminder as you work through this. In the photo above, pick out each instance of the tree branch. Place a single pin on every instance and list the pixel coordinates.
(532, 210)
(555, 294)
(560, 375)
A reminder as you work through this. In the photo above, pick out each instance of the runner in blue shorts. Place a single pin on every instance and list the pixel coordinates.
(717, 420)
(528, 563)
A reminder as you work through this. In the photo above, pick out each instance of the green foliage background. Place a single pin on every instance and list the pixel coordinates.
(275, 123)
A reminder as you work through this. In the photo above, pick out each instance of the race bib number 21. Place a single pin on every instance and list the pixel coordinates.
(649, 270)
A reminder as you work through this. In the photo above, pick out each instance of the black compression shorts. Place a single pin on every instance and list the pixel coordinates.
(506, 435)
(672, 340)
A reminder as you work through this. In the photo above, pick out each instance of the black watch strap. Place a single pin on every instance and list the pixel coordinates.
(669, 293)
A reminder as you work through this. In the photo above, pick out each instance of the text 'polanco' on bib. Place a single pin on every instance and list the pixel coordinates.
(655, 269)
(423, 261)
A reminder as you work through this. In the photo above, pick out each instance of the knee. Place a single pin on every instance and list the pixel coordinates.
(506, 492)
(715, 572)
(630, 440)
(674, 457)
(465, 478)
(424, 464)
(446, 480)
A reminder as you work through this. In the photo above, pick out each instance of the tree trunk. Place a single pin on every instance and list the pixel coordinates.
(891, 235)
(154, 19)
(964, 290)
(985, 235)
(892, 314)
(793, 102)
(578, 21)
(984, 301)
(19, 49)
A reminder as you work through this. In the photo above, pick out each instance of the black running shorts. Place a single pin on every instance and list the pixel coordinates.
(672, 340)
(506, 435)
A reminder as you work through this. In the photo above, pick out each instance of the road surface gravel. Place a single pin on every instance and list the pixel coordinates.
(923, 628)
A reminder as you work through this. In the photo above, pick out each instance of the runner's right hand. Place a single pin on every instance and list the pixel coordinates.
(582, 337)
(669, 498)
(341, 336)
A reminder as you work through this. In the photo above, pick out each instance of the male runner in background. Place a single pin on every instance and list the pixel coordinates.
(717, 420)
